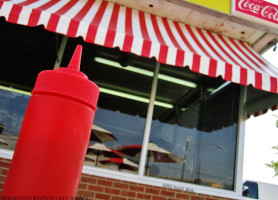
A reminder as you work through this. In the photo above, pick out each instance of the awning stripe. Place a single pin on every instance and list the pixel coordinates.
(146, 47)
(222, 50)
(193, 34)
(111, 34)
(273, 84)
(105, 23)
(187, 46)
(244, 55)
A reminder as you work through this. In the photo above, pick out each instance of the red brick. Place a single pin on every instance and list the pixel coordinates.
(105, 182)
(136, 188)
(197, 198)
(88, 180)
(159, 198)
(152, 191)
(221, 198)
(102, 196)
(4, 171)
(167, 193)
(209, 198)
(182, 196)
(83, 186)
(1, 185)
(4, 164)
(121, 185)
(112, 191)
(85, 193)
(118, 198)
(96, 188)
(128, 193)
(82, 198)
(143, 196)
(2, 179)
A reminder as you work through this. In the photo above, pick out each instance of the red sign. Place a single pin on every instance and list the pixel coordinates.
(258, 8)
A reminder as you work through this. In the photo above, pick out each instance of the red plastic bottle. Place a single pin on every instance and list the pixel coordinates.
(54, 136)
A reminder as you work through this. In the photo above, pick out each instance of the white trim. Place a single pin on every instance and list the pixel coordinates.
(135, 178)
(240, 141)
(8, 154)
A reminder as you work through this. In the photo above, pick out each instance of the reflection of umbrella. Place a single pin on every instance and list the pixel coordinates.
(155, 153)
(124, 163)
(90, 159)
(101, 135)
(101, 149)
(3, 142)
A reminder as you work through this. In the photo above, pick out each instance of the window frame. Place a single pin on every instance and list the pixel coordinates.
(153, 181)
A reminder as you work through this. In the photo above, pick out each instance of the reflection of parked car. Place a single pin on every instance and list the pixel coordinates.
(259, 190)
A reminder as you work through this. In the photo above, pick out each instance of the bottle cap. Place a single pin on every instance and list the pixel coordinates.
(68, 82)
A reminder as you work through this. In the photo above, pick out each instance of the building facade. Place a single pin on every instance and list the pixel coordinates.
(173, 98)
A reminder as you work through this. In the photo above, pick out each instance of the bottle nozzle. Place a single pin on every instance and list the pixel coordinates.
(76, 58)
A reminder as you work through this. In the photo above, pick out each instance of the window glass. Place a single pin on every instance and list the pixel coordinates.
(121, 112)
(198, 135)
(12, 109)
(193, 130)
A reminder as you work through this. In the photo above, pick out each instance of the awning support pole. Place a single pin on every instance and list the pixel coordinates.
(240, 140)
(148, 121)
(61, 52)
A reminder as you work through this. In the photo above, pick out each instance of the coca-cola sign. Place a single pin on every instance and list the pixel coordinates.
(257, 8)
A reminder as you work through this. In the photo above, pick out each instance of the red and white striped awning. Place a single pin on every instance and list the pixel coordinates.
(111, 25)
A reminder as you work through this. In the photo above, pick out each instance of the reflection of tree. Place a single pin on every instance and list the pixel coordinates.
(274, 164)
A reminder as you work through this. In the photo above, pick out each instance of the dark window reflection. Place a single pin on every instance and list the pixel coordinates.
(193, 131)
(122, 109)
(201, 131)
(12, 109)
(126, 130)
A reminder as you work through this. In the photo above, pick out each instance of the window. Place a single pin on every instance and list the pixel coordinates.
(193, 126)
(122, 110)
(13, 104)
(199, 132)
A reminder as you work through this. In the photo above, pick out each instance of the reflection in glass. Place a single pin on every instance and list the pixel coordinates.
(126, 129)
(202, 130)
(12, 109)
(193, 130)
(121, 113)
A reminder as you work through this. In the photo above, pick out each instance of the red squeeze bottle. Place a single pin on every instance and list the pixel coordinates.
(54, 136)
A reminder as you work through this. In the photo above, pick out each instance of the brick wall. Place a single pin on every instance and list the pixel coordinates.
(97, 188)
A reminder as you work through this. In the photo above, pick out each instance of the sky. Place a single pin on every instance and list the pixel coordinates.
(272, 1)
(261, 134)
